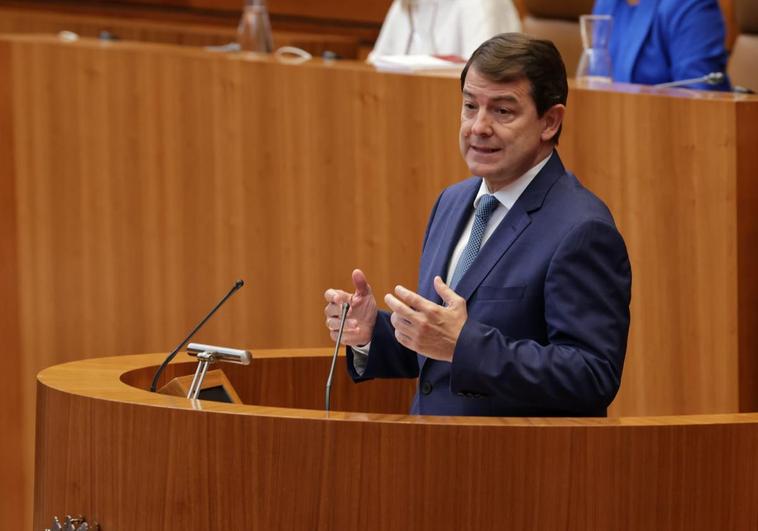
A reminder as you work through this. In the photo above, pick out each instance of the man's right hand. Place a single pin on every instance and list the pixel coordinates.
(361, 317)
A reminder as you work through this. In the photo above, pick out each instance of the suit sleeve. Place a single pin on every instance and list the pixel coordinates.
(696, 34)
(386, 358)
(587, 295)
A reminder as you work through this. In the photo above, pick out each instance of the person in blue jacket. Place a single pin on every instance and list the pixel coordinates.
(658, 41)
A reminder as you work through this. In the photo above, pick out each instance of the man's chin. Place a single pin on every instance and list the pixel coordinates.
(481, 170)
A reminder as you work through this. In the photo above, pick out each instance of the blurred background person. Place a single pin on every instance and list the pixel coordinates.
(658, 41)
(443, 27)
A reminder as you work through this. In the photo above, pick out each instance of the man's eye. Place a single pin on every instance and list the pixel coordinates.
(469, 106)
(503, 111)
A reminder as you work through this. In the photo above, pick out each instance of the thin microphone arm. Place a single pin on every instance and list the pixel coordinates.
(343, 318)
(714, 78)
(154, 385)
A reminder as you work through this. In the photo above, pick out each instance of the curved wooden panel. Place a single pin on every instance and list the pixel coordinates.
(128, 458)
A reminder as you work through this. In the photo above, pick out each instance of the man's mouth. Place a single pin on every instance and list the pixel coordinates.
(484, 150)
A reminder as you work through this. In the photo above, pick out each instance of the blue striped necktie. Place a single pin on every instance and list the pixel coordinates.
(487, 205)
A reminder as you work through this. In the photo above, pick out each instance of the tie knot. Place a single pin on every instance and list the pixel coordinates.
(487, 205)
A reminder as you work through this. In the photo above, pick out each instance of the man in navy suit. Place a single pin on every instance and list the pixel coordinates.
(522, 307)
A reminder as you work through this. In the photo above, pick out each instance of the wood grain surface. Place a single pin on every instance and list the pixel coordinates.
(156, 29)
(14, 498)
(147, 178)
(128, 458)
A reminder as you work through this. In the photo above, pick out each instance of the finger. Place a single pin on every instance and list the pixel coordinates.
(413, 300)
(350, 336)
(362, 287)
(400, 322)
(336, 296)
(347, 339)
(447, 294)
(333, 324)
(398, 306)
(404, 340)
(333, 310)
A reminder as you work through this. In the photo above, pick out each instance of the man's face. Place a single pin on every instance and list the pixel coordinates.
(501, 134)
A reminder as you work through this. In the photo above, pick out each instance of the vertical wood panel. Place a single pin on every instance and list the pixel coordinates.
(727, 9)
(15, 479)
(671, 184)
(747, 220)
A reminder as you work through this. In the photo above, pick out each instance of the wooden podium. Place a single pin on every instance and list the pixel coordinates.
(129, 459)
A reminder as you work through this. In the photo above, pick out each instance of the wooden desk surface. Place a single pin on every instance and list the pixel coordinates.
(126, 379)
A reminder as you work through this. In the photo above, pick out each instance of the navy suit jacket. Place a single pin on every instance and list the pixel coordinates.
(548, 307)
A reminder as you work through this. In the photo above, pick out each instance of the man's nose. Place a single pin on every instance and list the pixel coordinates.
(482, 125)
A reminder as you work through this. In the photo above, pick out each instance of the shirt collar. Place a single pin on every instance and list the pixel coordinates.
(509, 193)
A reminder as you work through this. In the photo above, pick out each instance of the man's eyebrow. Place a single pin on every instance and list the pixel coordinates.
(505, 97)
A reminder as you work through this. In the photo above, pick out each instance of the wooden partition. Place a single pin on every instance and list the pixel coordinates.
(367, 11)
(129, 459)
(202, 20)
(141, 180)
(191, 32)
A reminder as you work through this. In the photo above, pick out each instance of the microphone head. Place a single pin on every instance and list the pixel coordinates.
(714, 78)
(239, 284)
(231, 355)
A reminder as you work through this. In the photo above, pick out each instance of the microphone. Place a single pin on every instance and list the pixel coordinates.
(343, 318)
(230, 355)
(714, 78)
(237, 286)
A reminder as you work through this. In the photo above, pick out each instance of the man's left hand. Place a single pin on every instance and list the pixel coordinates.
(425, 327)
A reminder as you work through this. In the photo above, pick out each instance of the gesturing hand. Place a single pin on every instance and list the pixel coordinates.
(361, 317)
(426, 327)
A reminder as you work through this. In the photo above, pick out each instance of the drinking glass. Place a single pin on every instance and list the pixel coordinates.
(254, 30)
(595, 63)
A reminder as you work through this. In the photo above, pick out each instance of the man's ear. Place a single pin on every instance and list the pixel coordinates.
(552, 120)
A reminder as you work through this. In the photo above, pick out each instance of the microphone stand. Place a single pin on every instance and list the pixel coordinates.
(153, 386)
(343, 318)
(714, 78)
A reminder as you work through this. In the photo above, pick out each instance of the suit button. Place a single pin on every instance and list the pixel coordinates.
(426, 388)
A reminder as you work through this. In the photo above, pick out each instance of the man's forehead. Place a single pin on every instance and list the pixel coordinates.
(478, 85)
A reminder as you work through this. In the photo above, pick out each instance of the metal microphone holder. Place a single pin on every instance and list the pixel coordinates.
(207, 355)
(204, 359)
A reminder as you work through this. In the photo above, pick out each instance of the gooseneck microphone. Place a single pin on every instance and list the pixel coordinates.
(343, 318)
(714, 78)
(237, 285)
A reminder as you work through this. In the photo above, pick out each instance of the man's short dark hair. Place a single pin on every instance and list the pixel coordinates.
(513, 56)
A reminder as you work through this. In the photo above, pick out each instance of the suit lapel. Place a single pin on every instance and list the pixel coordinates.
(514, 223)
(460, 212)
(517, 219)
(506, 233)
